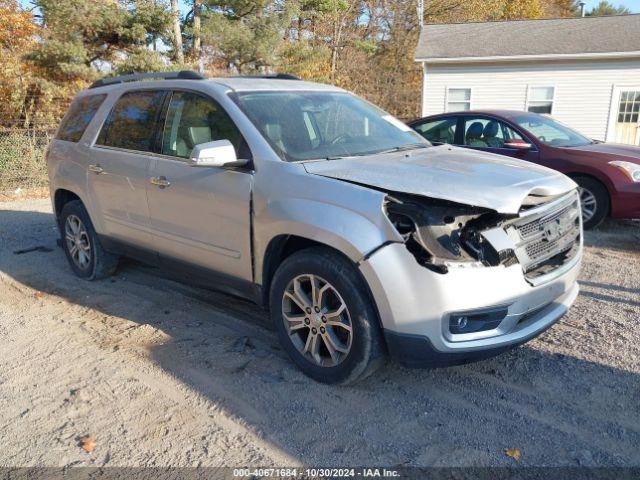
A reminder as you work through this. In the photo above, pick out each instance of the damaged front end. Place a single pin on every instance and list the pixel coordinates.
(544, 238)
(442, 234)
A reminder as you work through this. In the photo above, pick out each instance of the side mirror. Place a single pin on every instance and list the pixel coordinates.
(517, 144)
(215, 154)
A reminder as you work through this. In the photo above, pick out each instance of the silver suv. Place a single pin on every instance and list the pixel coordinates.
(358, 236)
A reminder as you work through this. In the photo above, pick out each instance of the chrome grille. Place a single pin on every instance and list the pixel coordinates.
(531, 229)
(545, 237)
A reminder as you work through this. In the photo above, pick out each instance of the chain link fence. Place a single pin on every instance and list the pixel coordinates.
(22, 158)
(25, 133)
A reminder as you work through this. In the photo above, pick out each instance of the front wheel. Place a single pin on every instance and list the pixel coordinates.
(594, 200)
(80, 242)
(325, 318)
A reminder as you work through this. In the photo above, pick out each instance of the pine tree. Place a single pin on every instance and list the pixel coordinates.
(82, 37)
(606, 8)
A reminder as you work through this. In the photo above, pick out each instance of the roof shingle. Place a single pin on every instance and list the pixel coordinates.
(568, 36)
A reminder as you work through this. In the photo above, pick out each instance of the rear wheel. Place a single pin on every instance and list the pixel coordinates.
(595, 202)
(325, 318)
(80, 242)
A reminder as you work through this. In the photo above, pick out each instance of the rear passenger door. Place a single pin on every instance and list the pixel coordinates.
(200, 216)
(120, 164)
(490, 135)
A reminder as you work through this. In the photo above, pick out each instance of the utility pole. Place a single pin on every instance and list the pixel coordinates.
(421, 13)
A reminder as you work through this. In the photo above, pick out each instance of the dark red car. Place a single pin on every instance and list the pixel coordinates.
(608, 174)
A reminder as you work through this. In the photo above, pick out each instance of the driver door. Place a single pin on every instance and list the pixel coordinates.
(200, 216)
(489, 135)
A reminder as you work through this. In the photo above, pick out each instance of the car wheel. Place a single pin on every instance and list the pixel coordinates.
(80, 242)
(595, 202)
(325, 318)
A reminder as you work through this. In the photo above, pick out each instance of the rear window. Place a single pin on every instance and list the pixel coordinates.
(132, 122)
(78, 117)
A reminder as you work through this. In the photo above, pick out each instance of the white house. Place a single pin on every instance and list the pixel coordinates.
(583, 71)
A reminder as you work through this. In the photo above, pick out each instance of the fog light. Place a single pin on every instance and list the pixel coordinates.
(462, 323)
(479, 321)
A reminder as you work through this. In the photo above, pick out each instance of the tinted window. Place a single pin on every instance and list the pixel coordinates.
(442, 130)
(131, 123)
(78, 117)
(193, 119)
(487, 133)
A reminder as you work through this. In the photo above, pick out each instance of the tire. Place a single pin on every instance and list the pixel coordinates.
(591, 190)
(100, 263)
(365, 352)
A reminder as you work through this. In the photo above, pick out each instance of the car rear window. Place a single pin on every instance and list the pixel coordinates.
(132, 122)
(78, 117)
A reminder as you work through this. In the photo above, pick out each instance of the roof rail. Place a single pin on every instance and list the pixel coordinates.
(182, 75)
(273, 76)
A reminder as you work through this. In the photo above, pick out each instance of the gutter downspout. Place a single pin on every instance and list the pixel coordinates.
(424, 89)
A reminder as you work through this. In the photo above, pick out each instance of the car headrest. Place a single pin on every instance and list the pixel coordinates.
(491, 130)
(199, 135)
(475, 130)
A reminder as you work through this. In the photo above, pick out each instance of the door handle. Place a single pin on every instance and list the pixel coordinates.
(161, 181)
(96, 168)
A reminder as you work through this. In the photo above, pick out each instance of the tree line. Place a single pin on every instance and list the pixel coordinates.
(50, 49)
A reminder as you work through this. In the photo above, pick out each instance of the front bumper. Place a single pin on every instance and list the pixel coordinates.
(415, 305)
(625, 201)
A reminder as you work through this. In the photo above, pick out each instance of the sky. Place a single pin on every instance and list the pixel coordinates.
(633, 5)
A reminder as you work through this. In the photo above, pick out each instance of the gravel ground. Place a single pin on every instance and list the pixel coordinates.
(162, 374)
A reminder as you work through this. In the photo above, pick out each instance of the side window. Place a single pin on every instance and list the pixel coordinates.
(80, 114)
(132, 122)
(487, 133)
(442, 130)
(193, 119)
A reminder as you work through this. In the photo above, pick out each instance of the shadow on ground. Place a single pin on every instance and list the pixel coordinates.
(544, 399)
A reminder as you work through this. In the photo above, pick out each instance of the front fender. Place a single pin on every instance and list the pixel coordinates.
(287, 201)
(352, 233)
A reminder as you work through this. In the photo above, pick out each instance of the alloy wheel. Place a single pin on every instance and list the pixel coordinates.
(78, 243)
(317, 320)
(589, 204)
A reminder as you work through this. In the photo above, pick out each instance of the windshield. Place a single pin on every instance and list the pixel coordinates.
(551, 132)
(325, 125)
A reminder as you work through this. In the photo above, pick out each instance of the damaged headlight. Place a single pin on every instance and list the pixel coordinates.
(441, 234)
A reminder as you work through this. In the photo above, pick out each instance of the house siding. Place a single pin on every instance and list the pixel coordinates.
(583, 89)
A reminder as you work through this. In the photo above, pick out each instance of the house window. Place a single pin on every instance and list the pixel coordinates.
(458, 99)
(629, 111)
(540, 100)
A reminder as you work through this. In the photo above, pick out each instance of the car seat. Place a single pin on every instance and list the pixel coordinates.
(491, 135)
(474, 135)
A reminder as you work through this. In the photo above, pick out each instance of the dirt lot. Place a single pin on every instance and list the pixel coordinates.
(164, 374)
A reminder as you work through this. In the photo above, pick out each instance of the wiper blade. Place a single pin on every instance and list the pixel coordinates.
(404, 148)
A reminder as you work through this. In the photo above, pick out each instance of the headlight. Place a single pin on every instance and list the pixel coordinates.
(631, 170)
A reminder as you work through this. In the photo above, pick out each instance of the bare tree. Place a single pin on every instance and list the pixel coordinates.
(177, 33)
(197, 10)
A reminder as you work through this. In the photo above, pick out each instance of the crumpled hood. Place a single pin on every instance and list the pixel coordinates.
(448, 173)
